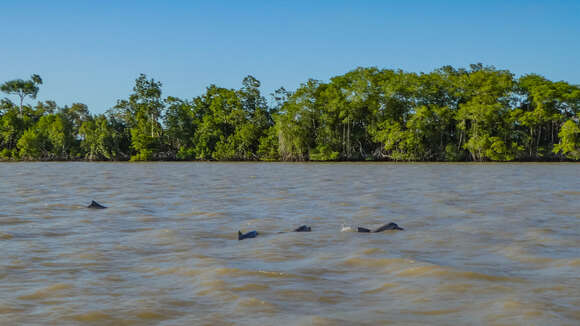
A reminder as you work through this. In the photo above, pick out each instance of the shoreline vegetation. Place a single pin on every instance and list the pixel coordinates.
(479, 114)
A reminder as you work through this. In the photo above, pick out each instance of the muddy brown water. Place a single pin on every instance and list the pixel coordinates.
(494, 244)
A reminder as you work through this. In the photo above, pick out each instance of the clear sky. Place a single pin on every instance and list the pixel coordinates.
(92, 51)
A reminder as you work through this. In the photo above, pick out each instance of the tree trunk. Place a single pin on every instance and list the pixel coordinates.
(151, 125)
(539, 138)
(348, 136)
(344, 139)
(20, 108)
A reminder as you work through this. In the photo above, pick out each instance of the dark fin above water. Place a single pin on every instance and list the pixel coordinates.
(249, 235)
(96, 205)
(361, 229)
(303, 228)
(390, 226)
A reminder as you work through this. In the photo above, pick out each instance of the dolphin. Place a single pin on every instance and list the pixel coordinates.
(249, 235)
(390, 226)
(348, 228)
(303, 228)
(96, 205)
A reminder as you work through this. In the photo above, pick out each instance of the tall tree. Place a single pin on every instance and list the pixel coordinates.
(22, 88)
(141, 113)
(180, 127)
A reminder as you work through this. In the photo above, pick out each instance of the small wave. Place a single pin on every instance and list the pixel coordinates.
(214, 235)
(182, 271)
(382, 288)
(113, 278)
(514, 305)
(92, 317)
(517, 253)
(449, 273)
(212, 214)
(574, 262)
(376, 262)
(327, 321)
(372, 251)
(459, 288)
(12, 221)
(433, 312)
(86, 255)
(149, 219)
(212, 285)
(409, 268)
(251, 287)
(62, 206)
(52, 234)
(278, 257)
(6, 309)
(153, 314)
(16, 264)
(548, 289)
(218, 289)
(245, 305)
(135, 230)
(181, 303)
(53, 291)
(297, 295)
(236, 272)
(330, 299)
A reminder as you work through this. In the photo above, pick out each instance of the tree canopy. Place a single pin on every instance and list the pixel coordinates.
(22, 88)
(478, 113)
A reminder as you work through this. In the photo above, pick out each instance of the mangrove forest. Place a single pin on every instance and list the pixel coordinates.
(478, 113)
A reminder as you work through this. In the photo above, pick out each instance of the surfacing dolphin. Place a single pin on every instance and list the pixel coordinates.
(390, 226)
(96, 205)
(249, 235)
(303, 228)
(253, 234)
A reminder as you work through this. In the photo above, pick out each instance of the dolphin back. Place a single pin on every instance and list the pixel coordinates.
(249, 235)
(390, 226)
(96, 205)
(303, 228)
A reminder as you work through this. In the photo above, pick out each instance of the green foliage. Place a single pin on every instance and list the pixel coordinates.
(99, 139)
(7, 154)
(140, 116)
(49, 139)
(31, 145)
(268, 147)
(180, 127)
(323, 153)
(11, 129)
(569, 145)
(22, 88)
(450, 114)
(229, 123)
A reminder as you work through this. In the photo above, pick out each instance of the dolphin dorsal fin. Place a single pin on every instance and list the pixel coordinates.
(96, 205)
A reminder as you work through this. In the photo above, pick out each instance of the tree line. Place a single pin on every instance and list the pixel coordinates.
(450, 114)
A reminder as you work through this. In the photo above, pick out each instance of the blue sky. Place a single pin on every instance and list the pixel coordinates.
(92, 51)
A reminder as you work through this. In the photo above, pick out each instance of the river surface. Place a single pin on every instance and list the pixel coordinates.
(484, 244)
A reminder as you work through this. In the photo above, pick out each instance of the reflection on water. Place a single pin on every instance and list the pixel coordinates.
(485, 244)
